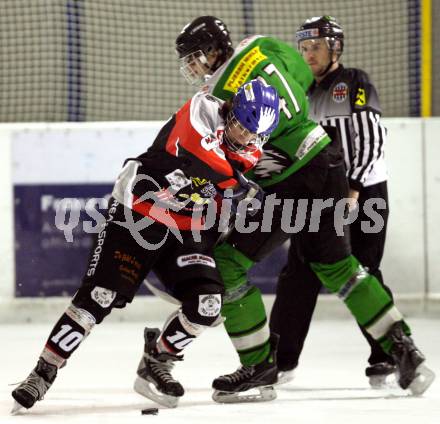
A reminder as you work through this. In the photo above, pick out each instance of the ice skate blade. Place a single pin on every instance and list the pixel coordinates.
(380, 382)
(285, 377)
(16, 408)
(424, 378)
(265, 394)
(148, 390)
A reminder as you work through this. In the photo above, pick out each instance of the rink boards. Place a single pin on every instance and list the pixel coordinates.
(62, 180)
(41, 164)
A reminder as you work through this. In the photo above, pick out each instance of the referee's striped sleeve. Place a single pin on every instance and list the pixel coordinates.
(368, 145)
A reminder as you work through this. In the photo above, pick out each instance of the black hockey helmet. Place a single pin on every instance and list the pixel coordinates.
(323, 27)
(205, 34)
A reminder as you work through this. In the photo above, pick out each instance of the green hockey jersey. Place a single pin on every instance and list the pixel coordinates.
(297, 139)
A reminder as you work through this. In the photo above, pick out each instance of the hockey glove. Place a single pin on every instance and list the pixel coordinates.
(247, 190)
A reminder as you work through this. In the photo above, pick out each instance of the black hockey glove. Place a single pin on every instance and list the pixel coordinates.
(247, 191)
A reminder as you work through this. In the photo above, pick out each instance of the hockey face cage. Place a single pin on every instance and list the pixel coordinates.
(195, 67)
(203, 37)
(238, 139)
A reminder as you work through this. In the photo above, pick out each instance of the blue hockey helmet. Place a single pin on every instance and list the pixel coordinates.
(254, 115)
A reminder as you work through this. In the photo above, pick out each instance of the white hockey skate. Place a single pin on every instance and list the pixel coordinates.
(154, 380)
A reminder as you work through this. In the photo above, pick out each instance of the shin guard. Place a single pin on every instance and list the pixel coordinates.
(364, 296)
(70, 330)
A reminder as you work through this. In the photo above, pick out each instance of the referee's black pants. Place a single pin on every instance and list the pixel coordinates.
(298, 286)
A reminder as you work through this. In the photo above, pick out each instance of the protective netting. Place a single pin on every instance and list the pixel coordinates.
(67, 60)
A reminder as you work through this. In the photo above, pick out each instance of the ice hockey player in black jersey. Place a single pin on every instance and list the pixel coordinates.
(346, 99)
(160, 203)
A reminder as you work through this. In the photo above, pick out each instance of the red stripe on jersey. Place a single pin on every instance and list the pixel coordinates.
(167, 217)
(228, 183)
(248, 160)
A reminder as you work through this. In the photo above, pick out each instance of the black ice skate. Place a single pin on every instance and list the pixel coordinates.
(154, 379)
(412, 372)
(35, 386)
(379, 375)
(231, 388)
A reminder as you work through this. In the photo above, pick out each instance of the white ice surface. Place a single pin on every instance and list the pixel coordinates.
(96, 384)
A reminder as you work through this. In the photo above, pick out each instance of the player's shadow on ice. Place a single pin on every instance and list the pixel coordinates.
(58, 407)
(65, 405)
(86, 403)
(333, 394)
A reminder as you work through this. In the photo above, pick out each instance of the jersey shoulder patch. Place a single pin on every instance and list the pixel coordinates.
(340, 92)
(363, 93)
(361, 97)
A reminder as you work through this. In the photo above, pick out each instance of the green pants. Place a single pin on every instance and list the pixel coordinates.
(245, 314)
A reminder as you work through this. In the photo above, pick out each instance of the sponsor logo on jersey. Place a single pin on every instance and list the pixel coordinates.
(209, 305)
(243, 69)
(210, 141)
(177, 179)
(340, 92)
(312, 139)
(209, 190)
(206, 187)
(361, 98)
(198, 182)
(195, 259)
(102, 296)
(205, 191)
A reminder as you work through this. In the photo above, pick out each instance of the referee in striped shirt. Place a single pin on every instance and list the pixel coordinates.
(344, 98)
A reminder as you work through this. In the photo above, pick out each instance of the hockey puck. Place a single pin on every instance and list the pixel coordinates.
(150, 411)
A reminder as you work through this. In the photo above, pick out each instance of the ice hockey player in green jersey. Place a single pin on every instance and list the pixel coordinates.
(300, 161)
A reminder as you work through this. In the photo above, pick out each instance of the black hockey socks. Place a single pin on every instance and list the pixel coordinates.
(70, 330)
(178, 332)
